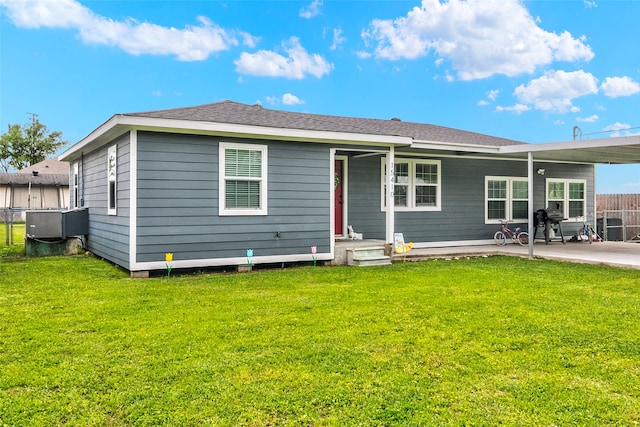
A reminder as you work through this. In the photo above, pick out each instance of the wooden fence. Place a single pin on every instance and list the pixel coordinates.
(617, 202)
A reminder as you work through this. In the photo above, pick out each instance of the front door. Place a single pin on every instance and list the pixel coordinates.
(338, 197)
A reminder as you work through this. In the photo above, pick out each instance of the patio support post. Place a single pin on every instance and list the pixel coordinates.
(530, 227)
(390, 220)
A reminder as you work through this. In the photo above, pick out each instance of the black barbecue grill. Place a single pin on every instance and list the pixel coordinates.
(549, 217)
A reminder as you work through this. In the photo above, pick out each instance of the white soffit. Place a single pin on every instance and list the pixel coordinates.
(620, 150)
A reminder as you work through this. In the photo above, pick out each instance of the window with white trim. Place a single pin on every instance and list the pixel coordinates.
(112, 180)
(568, 195)
(506, 198)
(243, 179)
(417, 185)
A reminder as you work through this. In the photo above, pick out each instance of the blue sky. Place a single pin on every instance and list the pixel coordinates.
(525, 70)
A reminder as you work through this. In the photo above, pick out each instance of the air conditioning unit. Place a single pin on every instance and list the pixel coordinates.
(57, 224)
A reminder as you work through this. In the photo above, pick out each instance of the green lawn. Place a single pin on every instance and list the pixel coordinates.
(484, 341)
(17, 239)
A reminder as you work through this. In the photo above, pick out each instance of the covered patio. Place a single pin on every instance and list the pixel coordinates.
(609, 151)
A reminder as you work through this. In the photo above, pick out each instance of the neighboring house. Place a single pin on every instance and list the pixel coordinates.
(208, 182)
(44, 185)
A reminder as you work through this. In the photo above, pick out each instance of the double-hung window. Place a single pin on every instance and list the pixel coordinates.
(506, 198)
(568, 195)
(417, 185)
(243, 179)
(112, 178)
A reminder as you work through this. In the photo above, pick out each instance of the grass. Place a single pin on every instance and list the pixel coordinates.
(17, 239)
(483, 341)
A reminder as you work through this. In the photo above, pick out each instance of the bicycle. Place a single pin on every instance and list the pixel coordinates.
(585, 232)
(515, 235)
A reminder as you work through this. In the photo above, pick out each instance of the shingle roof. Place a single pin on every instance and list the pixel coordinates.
(25, 179)
(48, 166)
(230, 112)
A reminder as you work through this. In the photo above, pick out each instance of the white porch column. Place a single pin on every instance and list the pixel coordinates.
(389, 194)
(530, 201)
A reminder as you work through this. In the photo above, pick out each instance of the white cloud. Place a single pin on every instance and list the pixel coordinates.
(590, 119)
(480, 38)
(286, 99)
(248, 39)
(311, 10)
(517, 108)
(493, 94)
(589, 4)
(632, 184)
(616, 129)
(338, 38)
(296, 65)
(192, 43)
(558, 122)
(614, 87)
(290, 99)
(556, 90)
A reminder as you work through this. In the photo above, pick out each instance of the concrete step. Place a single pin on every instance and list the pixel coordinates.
(371, 261)
(367, 256)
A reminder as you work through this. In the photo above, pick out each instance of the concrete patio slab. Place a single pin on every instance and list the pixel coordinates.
(615, 254)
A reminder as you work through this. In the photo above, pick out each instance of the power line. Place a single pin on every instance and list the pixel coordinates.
(576, 130)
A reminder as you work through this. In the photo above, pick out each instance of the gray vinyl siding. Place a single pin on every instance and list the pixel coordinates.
(178, 200)
(108, 234)
(462, 214)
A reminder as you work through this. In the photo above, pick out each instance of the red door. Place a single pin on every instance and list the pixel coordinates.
(337, 197)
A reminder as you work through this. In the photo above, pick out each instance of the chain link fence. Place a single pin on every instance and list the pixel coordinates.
(13, 228)
(619, 225)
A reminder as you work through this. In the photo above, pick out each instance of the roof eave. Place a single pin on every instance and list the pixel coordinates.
(120, 124)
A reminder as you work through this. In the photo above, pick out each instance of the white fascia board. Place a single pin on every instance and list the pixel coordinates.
(454, 146)
(572, 145)
(192, 126)
(104, 129)
(119, 124)
(173, 125)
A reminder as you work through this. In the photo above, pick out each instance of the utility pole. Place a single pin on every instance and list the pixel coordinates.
(34, 118)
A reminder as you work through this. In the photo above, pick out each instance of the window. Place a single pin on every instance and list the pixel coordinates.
(416, 185)
(506, 198)
(76, 195)
(243, 184)
(112, 175)
(568, 195)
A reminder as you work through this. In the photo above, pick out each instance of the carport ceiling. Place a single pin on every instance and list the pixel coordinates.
(615, 151)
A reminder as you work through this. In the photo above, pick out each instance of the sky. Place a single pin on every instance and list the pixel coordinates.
(529, 70)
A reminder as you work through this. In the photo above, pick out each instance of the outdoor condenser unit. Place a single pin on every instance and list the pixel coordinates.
(57, 224)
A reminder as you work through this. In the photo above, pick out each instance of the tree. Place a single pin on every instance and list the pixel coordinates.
(22, 146)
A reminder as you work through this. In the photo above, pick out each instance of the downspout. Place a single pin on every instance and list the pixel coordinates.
(530, 228)
(81, 182)
(390, 220)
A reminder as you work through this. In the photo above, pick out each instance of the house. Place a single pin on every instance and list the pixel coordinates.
(207, 183)
(43, 185)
